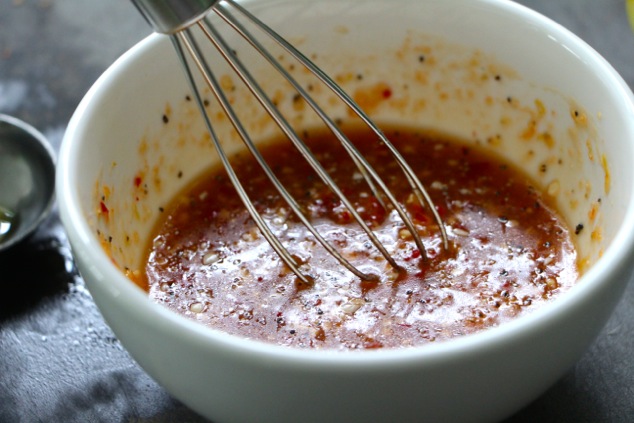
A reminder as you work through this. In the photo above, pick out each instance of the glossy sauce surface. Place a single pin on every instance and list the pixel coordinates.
(509, 252)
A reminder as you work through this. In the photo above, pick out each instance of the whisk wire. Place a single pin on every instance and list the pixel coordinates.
(188, 50)
(420, 191)
(362, 164)
(212, 82)
(273, 111)
(184, 38)
(222, 12)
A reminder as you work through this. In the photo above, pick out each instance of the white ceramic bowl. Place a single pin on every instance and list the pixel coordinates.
(491, 70)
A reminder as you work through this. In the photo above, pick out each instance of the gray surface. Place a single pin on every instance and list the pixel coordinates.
(58, 359)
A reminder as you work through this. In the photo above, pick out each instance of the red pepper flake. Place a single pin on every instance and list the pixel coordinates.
(320, 334)
(415, 254)
(138, 181)
(387, 93)
(372, 344)
(104, 208)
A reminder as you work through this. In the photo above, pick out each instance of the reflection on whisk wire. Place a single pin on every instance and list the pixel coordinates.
(179, 19)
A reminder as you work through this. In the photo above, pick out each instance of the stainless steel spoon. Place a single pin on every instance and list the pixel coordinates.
(27, 180)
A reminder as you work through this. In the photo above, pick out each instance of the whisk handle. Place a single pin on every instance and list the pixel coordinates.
(170, 16)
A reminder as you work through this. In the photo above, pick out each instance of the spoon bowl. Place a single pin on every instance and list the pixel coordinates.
(27, 180)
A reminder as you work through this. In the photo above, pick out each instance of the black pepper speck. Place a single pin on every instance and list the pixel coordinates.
(578, 228)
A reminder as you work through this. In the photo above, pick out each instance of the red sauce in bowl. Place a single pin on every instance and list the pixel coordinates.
(509, 251)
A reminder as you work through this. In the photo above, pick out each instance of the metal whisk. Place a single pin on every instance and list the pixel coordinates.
(177, 19)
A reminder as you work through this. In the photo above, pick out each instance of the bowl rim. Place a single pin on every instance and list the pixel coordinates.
(614, 259)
